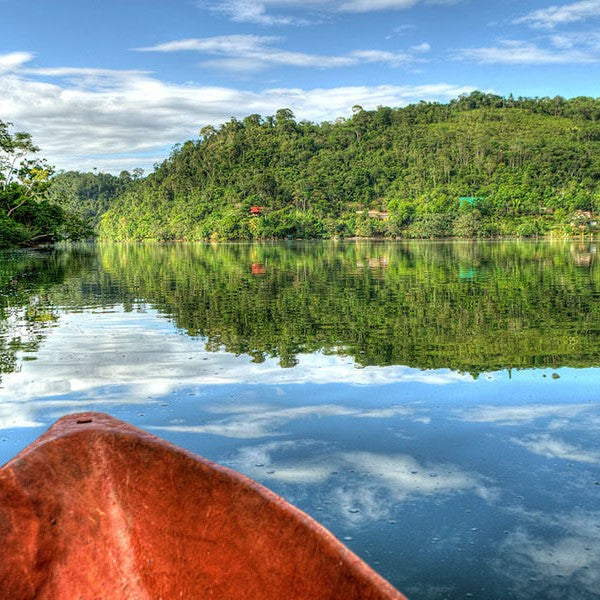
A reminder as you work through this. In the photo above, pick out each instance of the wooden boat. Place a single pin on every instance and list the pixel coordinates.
(96, 508)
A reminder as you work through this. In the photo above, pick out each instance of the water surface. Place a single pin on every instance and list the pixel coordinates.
(435, 405)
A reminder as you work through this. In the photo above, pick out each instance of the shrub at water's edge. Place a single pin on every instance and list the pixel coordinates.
(479, 166)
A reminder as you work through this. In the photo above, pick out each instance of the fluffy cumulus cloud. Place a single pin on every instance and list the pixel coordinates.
(556, 555)
(115, 119)
(378, 482)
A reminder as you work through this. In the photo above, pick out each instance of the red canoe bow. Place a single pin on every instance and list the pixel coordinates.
(96, 508)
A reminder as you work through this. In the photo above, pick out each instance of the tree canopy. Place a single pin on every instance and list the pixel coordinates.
(26, 215)
(532, 164)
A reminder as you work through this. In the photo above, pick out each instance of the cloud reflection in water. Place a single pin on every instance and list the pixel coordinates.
(557, 555)
(134, 357)
(403, 451)
(551, 447)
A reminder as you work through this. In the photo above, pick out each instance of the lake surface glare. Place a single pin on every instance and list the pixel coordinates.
(435, 405)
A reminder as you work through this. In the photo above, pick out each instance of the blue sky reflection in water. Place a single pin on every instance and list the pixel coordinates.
(448, 484)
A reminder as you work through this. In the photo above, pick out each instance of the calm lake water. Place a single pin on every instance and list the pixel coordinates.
(435, 405)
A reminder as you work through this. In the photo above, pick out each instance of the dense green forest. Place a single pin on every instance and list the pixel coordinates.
(479, 166)
(89, 195)
(27, 216)
(522, 166)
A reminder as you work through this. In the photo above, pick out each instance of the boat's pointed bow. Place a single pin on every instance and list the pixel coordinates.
(96, 508)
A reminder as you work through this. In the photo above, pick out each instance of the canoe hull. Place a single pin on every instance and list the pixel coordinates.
(96, 508)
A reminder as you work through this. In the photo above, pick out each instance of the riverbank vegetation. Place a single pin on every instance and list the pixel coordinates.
(479, 166)
(27, 217)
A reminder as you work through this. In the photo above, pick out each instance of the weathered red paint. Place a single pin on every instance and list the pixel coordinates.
(96, 508)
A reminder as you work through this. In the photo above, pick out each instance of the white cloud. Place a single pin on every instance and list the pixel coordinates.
(17, 417)
(406, 477)
(557, 558)
(266, 422)
(375, 5)
(517, 52)
(244, 11)
(549, 447)
(64, 381)
(588, 40)
(424, 47)
(223, 44)
(380, 482)
(520, 415)
(115, 119)
(14, 61)
(253, 52)
(262, 461)
(566, 558)
(251, 11)
(554, 16)
(257, 12)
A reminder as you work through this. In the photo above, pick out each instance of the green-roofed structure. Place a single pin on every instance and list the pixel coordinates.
(471, 200)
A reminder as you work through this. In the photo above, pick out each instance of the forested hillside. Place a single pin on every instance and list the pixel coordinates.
(89, 195)
(522, 166)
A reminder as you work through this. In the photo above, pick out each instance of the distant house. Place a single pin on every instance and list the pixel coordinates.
(470, 200)
(256, 210)
(382, 215)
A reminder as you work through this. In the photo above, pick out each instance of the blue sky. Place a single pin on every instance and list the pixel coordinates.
(114, 84)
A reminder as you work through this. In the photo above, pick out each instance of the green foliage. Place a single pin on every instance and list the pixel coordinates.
(525, 157)
(471, 306)
(88, 195)
(26, 216)
(36, 222)
(11, 233)
(430, 226)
